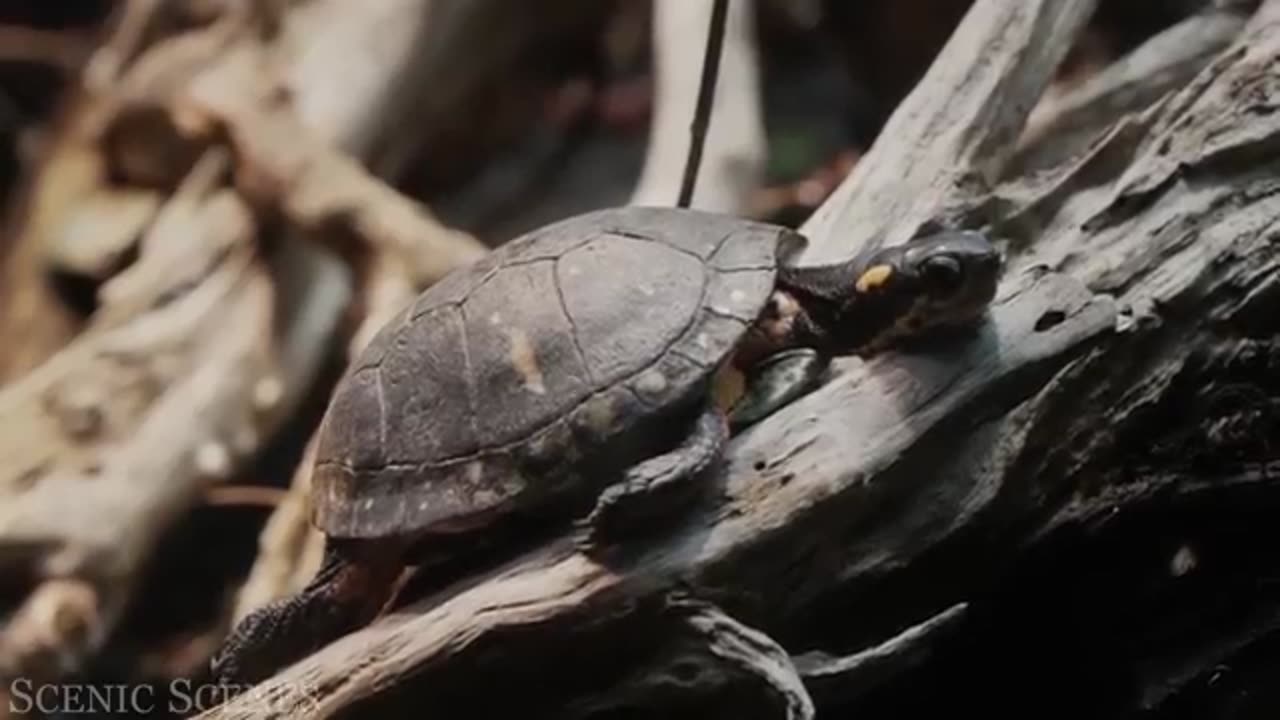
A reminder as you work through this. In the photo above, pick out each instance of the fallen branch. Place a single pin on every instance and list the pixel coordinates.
(949, 139)
(840, 679)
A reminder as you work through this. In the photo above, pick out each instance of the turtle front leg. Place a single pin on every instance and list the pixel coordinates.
(776, 381)
(353, 584)
(651, 488)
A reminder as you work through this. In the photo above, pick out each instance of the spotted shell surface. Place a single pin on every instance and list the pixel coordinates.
(501, 377)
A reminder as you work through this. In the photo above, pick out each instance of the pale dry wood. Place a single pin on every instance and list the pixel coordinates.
(68, 539)
(443, 110)
(197, 355)
(71, 189)
(947, 142)
(1064, 126)
(709, 648)
(754, 653)
(842, 678)
(279, 164)
(29, 305)
(734, 157)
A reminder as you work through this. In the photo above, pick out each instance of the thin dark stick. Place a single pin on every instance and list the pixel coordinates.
(706, 96)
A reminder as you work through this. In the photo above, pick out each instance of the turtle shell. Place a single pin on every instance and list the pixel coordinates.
(500, 380)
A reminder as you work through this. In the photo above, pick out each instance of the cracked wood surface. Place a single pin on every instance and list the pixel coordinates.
(947, 142)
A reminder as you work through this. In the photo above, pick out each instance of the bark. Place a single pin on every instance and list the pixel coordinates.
(1121, 385)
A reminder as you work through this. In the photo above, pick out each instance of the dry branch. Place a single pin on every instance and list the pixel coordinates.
(279, 165)
(1059, 129)
(947, 142)
(839, 679)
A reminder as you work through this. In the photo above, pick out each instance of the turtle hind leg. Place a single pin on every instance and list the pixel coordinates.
(650, 488)
(354, 582)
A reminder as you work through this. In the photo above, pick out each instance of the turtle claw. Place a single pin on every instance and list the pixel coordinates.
(583, 538)
(775, 382)
(652, 488)
(631, 504)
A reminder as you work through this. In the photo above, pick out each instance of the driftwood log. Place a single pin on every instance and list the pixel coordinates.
(941, 521)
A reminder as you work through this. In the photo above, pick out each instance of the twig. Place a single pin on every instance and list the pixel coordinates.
(706, 97)
(840, 679)
(732, 165)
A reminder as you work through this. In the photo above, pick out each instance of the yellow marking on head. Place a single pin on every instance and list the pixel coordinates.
(874, 278)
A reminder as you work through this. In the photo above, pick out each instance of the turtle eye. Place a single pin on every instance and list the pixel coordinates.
(942, 274)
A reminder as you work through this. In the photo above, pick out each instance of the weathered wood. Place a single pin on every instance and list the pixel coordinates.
(710, 651)
(947, 142)
(1063, 127)
(839, 679)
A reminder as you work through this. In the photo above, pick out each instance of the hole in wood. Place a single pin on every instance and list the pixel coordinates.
(1050, 319)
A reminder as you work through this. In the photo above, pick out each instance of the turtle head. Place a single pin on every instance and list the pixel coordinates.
(893, 294)
(947, 279)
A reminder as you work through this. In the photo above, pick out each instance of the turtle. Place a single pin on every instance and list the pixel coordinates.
(585, 361)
